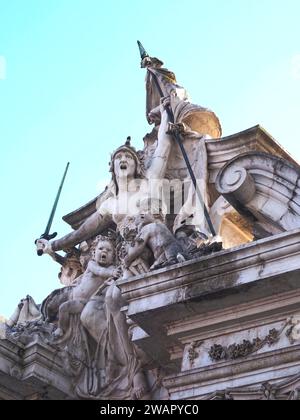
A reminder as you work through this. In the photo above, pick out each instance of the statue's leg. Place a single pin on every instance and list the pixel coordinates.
(93, 317)
(67, 309)
(140, 386)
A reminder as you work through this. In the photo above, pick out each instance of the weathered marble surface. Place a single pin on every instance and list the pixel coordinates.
(180, 313)
(32, 372)
(92, 327)
(231, 300)
(152, 307)
(264, 189)
(234, 228)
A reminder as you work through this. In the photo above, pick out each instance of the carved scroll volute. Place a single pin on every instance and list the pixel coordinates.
(236, 184)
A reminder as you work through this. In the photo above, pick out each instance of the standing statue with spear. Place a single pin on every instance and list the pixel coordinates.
(169, 109)
(183, 117)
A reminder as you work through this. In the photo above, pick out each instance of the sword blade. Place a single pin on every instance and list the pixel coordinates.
(53, 211)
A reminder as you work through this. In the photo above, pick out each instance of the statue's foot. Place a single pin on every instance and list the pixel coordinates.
(207, 247)
(58, 333)
(180, 258)
(215, 247)
(202, 240)
(164, 264)
(211, 247)
(155, 266)
(216, 239)
(205, 241)
(158, 265)
(140, 392)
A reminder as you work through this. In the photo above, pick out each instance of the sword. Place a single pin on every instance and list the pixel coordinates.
(46, 235)
(177, 137)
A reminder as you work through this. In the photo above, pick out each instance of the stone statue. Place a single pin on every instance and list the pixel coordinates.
(26, 311)
(129, 186)
(193, 124)
(92, 326)
(154, 234)
(86, 341)
(93, 335)
(118, 364)
(161, 82)
(71, 267)
(133, 178)
(99, 270)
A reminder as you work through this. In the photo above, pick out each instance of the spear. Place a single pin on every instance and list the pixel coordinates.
(177, 137)
(46, 235)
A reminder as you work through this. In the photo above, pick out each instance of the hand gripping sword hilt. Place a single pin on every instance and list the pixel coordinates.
(48, 237)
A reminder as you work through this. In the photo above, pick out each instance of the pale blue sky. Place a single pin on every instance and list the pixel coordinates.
(74, 91)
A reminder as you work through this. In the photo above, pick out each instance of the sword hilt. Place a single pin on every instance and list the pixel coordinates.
(48, 237)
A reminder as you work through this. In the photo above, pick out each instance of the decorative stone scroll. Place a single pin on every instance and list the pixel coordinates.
(264, 189)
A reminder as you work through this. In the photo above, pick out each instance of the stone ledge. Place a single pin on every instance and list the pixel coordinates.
(198, 299)
(255, 370)
(269, 258)
(31, 370)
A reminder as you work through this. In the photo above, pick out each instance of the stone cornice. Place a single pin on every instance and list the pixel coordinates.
(269, 366)
(219, 272)
(28, 369)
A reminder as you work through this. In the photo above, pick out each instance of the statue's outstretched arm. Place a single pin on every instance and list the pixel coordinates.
(94, 225)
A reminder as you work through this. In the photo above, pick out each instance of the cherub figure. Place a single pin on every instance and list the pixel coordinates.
(154, 234)
(97, 275)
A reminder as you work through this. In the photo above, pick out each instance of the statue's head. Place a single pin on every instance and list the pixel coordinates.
(104, 252)
(144, 219)
(151, 62)
(146, 60)
(70, 270)
(126, 163)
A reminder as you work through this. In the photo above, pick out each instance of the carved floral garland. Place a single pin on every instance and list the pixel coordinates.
(244, 349)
